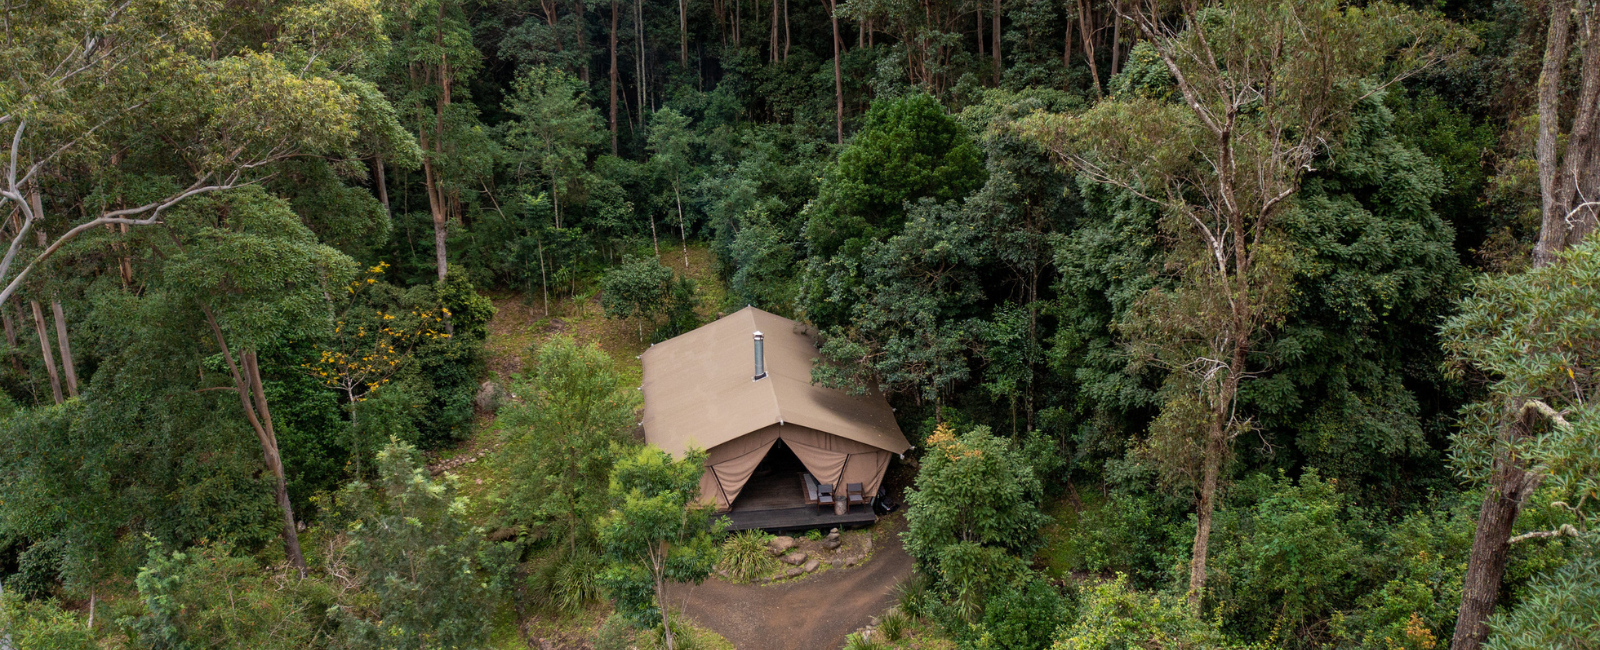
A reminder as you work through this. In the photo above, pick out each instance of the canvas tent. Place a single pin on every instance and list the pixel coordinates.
(701, 391)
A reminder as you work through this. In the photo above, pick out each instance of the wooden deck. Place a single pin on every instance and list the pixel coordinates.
(775, 500)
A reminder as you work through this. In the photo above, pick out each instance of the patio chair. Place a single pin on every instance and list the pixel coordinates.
(824, 496)
(855, 494)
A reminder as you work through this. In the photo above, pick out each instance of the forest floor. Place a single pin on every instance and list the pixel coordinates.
(814, 611)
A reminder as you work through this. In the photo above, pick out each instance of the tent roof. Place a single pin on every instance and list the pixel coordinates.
(699, 391)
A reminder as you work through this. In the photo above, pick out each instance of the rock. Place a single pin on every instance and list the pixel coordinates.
(811, 565)
(490, 397)
(780, 545)
(833, 533)
(795, 558)
(867, 547)
(837, 562)
(831, 543)
(793, 572)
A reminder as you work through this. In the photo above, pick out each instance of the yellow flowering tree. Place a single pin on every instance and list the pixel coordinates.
(369, 344)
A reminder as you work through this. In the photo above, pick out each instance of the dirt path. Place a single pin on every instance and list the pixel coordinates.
(814, 613)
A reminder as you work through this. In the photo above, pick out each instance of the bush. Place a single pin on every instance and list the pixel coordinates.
(207, 598)
(1114, 616)
(566, 579)
(893, 625)
(1023, 617)
(41, 625)
(432, 579)
(744, 556)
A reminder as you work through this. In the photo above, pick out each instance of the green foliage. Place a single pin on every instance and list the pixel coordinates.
(431, 579)
(637, 289)
(908, 149)
(209, 598)
(745, 556)
(41, 625)
(972, 489)
(1114, 616)
(656, 532)
(575, 419)
(1561, 610)
(1290, 559)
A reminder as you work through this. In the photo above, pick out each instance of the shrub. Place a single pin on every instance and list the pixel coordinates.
(1024, 616)
(893, 625)
(566, 579)
(41, 625)
(207, 598)
(409, 537)
(744, 556)
(1114, 616)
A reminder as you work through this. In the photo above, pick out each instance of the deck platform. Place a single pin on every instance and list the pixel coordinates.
(775, 500)
(802, 518)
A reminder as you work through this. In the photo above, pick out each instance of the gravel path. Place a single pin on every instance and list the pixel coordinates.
(815, 612)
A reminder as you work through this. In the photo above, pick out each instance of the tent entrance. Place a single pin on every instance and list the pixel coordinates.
(774, 499)
(775, 484)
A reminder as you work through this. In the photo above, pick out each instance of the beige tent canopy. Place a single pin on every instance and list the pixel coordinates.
(701, 391)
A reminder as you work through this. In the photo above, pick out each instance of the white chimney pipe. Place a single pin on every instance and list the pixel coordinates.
(761, 360)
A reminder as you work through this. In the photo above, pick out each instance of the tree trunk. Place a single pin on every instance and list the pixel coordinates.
(1206, 505)
(656, 241)
(772, 54)
(44, 348)
(639, 82)
(1066, 49)
(683, 33)
(1116, 41)
(544, 280)
(1564, 224)
(613, 78)
(682, 237)
(1480, 587)
(786, 38)
(247, 383)
(994, 50)
(838, 80)
(65, 346)
(1085, 29)
(382, 183)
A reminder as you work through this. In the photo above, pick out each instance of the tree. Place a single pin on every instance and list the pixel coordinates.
(656, 532)
(575, 419)
(1264, 87)
(1534, 335)
(1569, 191)
(636, 289)
(433, 53)
(555, 127)
(206, 597)
(94, 81)
(907, 149)
(433, 576)
(973, 488)
(671, 145)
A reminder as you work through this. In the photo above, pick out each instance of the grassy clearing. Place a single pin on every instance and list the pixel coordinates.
(1060, 555)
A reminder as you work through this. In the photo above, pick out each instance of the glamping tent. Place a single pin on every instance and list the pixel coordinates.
(741, 386)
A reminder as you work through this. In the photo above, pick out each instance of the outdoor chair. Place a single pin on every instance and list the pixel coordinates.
(824, 496)
(855, 494)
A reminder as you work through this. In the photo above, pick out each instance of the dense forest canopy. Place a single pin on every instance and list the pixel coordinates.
(1212, 323)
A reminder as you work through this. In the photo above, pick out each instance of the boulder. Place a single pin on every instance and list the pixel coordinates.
(831, 543)
(794, 558)
(811, 565)
(793, 572)
(490, 397)
(780, 545)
